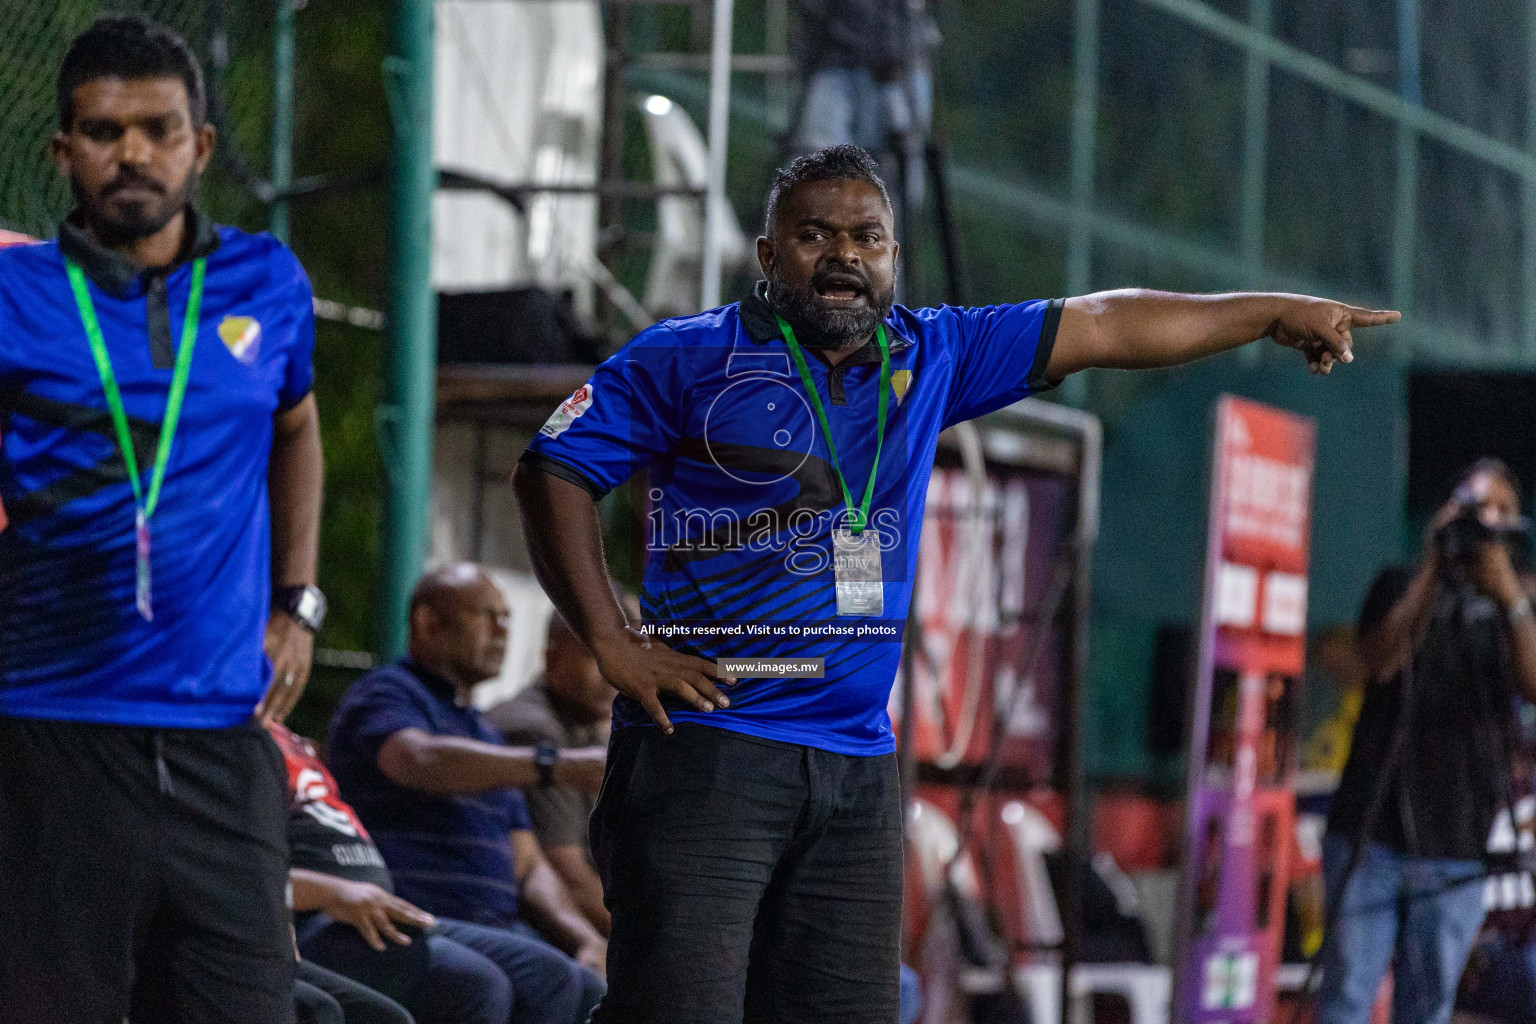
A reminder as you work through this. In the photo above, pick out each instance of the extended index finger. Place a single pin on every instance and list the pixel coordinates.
(1359, 316)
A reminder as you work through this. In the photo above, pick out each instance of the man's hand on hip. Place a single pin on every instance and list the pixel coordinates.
(642, 668)
(291, 648)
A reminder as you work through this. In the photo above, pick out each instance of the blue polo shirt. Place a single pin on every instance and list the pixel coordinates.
(449, 855)
(72, 644)
(743, 499)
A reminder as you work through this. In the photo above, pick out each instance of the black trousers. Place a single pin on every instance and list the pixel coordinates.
(749, 880)
(143, 872)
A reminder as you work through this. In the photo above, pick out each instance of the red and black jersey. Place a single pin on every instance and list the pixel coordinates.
(324, 833)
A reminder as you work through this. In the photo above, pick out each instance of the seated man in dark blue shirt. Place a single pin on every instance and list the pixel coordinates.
(437, 787)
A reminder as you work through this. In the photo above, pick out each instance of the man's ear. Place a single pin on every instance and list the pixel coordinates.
(58, 148)
(765, 255)
(423, 620)
(207, 136)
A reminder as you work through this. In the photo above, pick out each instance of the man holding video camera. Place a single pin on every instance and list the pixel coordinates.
(1448, 646)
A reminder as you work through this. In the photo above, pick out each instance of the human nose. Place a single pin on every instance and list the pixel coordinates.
(843, 250)
(133, 148)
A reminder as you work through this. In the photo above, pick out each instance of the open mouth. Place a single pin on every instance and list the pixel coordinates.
(841, 291)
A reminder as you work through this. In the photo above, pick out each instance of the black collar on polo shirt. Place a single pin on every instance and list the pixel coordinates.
(758, 320)
(116, 276)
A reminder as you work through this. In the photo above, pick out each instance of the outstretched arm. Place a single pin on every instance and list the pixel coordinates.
(1135, 328)
(424, 761)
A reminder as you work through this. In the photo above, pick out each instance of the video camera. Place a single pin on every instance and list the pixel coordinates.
(1460, 538)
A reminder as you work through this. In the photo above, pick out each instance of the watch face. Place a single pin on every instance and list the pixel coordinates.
(308, 607)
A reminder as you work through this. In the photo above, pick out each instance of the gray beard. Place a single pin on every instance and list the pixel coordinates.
(818, 326)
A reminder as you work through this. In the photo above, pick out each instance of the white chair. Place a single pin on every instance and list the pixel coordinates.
(934, 842)
(1148, 988)
(679, 158)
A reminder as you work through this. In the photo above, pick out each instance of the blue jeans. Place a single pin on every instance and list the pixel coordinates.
(1425, 910)
(843, 105)
(461, 973)
(911, 996)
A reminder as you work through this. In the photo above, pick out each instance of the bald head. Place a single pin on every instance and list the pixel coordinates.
(458, 624)
(443, 584)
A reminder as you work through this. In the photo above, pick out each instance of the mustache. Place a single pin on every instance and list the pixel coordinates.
(128, 178)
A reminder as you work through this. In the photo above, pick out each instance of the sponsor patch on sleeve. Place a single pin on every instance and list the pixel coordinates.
(579, 402)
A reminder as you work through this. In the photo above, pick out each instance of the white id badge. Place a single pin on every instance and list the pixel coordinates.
(856, 558)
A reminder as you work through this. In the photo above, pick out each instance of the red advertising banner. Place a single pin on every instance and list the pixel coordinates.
(1241, 806)
(983, 569)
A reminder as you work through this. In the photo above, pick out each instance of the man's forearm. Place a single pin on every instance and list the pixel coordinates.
(1522, 632)
(312, 890)
(549, 901)
(1135, 328)
(1385, 649)
(565, 544)
(581, 881)
(295, 475)
(451, 765)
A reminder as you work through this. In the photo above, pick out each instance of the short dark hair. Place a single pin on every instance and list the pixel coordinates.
(129, 46)
(835, 163)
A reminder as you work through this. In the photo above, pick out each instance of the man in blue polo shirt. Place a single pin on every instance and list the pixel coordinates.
(750, 846)
(438, 789)
(160, 467)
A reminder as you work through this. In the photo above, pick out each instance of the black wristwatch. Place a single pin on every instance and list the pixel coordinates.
(545, 755)
(304, 604)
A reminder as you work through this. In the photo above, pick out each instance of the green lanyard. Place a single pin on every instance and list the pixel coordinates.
(861, 512)
(144, 505)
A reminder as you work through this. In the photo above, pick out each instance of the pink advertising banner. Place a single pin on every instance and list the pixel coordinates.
(1241, 792)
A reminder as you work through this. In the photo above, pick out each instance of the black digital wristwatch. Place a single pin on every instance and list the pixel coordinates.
(304, 604)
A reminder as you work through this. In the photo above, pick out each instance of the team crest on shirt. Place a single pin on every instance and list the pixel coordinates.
(901, 383)
(579, 402)
(242, 336)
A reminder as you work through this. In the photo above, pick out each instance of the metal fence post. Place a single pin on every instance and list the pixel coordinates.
(719, 132)
(1085, 112)
(1255, 143)
(1255, 155)
(406, 418)
(1405, 221)
(282, 116)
